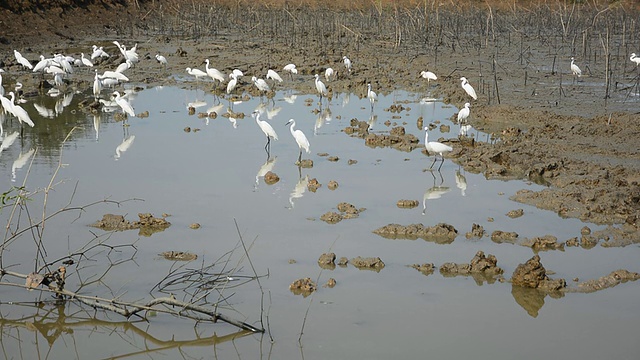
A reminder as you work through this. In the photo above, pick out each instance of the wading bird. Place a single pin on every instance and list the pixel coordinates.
(124, 104)
(85, 61)
(464, 113)
(635, 59)
(22, 60)
(273, 75)
(300, 138)
(347, 64)
(575, 69)
(266, 128)
(233, 81)
(322, 90)
(260, 84)
(428, 75)
(213, 73)
(435, 147)
(161, 59)
(98, 52)
(291, 69)
(126, 65)
(468, 88)
(328, 74)
(371, 95)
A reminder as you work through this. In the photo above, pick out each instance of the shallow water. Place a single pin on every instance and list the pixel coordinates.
(212, 177)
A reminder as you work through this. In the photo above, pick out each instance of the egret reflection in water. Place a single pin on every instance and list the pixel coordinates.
(20, 162)
(264, 169)
(434, 192)
(124, 146)
(298, 190)
(461, 183)
(8, 141)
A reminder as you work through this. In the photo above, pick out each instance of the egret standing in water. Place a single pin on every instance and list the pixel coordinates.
(300, 138)
(464, 113)
(124, 104)
(261, 85)
(266, 128)
(233, 81)
(575, 69)
(468, 88)
(435, 147)
(273, 75)
(320, 87)
(371, 95)
(19, 112)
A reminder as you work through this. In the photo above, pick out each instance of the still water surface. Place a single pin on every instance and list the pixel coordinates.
(213, 177)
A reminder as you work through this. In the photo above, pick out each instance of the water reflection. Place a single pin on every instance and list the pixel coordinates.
(18, 163)
(124, 146)
(97, 118)
(461, 182)
(434, 192)
(298, 190)
(8, 141)
(264, 169)
(57, 326)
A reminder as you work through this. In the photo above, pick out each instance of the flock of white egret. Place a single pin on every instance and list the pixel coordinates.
(61, 66)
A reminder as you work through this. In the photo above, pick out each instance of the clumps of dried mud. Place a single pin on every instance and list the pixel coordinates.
(147, 224)
(441, 233)
(346, 211)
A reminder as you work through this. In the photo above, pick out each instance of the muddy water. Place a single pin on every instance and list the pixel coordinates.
(211, 175)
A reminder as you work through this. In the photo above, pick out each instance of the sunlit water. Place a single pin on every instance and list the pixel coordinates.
(213, 177)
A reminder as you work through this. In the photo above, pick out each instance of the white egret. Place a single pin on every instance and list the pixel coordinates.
(22, 60)
(291, 69)
(97, 85)
(233, 81)
(85, 61)
(124, 104)
(161, 59)
(126, 65)
(300, 138)
(64, 63)
(7, 105)
(435, 147)
(17, 88)
(124, 146)
(464, 113)
(115, 75)
(635, 59)
(266, 128)
(468, 88)
(347, 63)
(238, 73)
(1, 87)
(371, 95)
(19, 112)
(214, 74)
(320, 87)
(328, 74)
(130, 54)
(428, 75)
(98, 52)
(260, 84)
(196, 72)
(273, 75)
(575, 69)
(42, 64)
